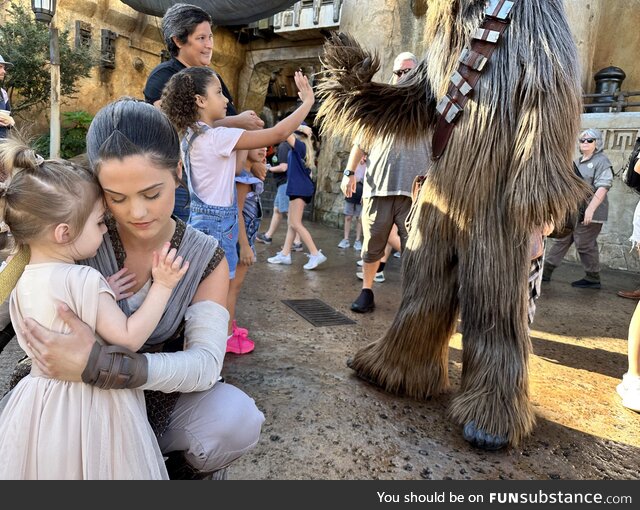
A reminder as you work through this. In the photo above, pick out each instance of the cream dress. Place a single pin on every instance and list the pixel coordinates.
(51, 429)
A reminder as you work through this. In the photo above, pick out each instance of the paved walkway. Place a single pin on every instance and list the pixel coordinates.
(324, 423)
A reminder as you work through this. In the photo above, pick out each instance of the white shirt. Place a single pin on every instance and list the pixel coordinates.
(213, 165)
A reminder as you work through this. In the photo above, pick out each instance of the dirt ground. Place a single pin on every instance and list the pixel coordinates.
(322, 422)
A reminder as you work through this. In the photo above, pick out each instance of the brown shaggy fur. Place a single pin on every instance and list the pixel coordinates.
(505, 172)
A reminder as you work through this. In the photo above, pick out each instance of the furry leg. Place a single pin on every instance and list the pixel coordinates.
(493, 405)
(412, 357)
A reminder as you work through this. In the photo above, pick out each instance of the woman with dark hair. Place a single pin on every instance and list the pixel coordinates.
(187, 34)
(202, 424)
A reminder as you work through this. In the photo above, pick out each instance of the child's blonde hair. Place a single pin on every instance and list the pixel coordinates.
(38, 193)
(305, 135)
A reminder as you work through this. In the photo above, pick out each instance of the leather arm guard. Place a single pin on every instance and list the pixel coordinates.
(115, 367)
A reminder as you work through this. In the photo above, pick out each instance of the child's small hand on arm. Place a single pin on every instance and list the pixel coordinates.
(121, 282)
(168, 268)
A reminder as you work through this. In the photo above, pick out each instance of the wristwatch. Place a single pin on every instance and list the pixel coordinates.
(348, 173)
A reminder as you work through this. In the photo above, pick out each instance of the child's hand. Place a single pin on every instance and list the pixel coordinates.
(121, 282)
(305, 91)
(249, 120)
(167, 268)
(259, 170)
(247, 257)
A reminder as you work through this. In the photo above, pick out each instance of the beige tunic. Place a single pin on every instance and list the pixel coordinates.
(51, 429)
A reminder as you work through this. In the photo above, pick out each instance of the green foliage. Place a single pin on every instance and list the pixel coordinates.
(25, 42)
(72, 135)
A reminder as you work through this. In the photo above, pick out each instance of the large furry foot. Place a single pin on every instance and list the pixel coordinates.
(350, 364)
(480, 439)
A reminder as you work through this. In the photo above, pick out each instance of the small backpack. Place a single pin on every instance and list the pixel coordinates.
(629, 176)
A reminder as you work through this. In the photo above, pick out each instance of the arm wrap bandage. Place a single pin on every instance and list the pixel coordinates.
(114, 367)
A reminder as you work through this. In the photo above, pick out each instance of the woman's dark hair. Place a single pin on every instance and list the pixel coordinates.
(179, 95)
(128, 127)
(180, 21)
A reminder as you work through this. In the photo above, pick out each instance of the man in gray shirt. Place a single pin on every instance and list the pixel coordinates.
(386, 197)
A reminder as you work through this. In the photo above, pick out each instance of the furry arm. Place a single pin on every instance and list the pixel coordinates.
(548, 101)
(352, 104)
(197, 367)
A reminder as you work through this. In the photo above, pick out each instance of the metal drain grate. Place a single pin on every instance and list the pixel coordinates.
(317, 312)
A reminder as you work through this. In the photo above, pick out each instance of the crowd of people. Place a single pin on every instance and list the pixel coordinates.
(149, 249)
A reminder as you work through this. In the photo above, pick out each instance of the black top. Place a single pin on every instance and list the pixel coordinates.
(163, 72)
(283, 154)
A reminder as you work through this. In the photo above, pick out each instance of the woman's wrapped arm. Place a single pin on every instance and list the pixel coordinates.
(198, 366)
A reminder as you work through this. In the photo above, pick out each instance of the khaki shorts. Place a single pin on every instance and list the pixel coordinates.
(379, 214)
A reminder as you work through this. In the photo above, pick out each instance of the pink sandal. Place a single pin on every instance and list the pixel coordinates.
(236, 330)
(239, 343)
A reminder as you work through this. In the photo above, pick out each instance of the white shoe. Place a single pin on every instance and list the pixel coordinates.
(379, 277)
(279, 258)
(360, 262)
(629, 390)
(315, 260)
(344, 243)
(397, 254)
(357, 245)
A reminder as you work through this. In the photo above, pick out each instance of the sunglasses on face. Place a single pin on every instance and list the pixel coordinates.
(587, 140)
(400, 72)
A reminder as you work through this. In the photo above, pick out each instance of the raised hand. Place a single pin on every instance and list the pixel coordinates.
(305, 90)
(167, 267)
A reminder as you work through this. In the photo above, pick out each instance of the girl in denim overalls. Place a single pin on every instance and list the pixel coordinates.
(212, 155)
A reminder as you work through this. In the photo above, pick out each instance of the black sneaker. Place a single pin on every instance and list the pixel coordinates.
(264, 239)
(364, 303)
(586, 284)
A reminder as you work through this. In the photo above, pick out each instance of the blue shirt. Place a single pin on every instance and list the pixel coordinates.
(299, 181)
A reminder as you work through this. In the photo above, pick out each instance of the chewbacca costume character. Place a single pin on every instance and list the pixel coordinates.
(505, 172)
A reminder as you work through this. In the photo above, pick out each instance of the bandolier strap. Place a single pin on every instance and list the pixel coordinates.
(472, 62)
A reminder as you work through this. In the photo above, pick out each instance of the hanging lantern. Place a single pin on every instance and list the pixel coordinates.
(43, 9)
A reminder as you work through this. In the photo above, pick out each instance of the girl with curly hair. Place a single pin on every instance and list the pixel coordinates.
(212, 156)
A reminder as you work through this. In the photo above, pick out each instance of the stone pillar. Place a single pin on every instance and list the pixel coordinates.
(584, 20)
(255, 73)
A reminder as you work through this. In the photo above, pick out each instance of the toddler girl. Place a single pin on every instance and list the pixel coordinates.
(53, 429)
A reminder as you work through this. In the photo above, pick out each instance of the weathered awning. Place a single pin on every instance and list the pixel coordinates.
(223, 12)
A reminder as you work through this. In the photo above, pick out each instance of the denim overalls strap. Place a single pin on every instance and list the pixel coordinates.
(185, 147)
(218, 221)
